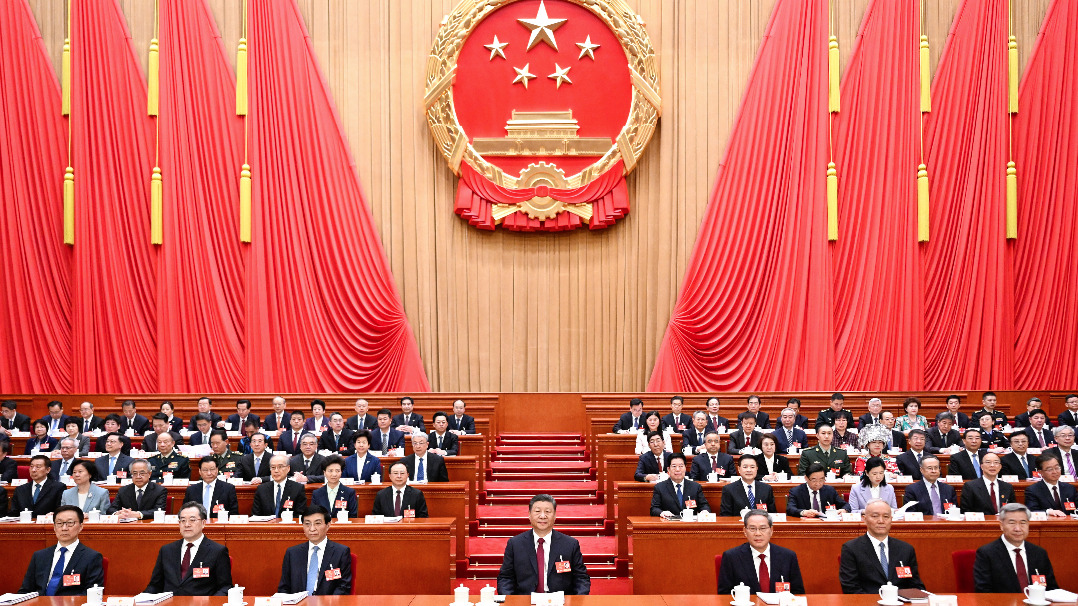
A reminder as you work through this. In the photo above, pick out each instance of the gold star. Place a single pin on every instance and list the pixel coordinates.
(587, 48)
(542, 28)
(496, 47)
(523, 75)
(560, 74)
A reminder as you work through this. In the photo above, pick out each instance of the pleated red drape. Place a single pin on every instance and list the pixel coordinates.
(877, 287)
(755, 309)
(201, 290)
(115, 287)
(968, 283)
(35, 266)
(324, 314)
(1046, 252)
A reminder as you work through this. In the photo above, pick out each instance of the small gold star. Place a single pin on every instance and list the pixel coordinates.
(587, 48)
(523, 75)
(561, 74)
(542, 28)
(496, 47)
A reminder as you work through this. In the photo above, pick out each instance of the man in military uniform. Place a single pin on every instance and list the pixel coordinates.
(832, 459)
(228, 462)
(988, 407)
(168, 459)
(827, 415)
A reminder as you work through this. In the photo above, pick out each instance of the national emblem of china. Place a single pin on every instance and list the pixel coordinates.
(542, 107)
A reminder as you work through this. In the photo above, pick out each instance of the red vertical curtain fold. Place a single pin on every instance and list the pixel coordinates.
(877, 280)
(968, 272)
(35, 266)
(755, 309)
(324, 313)
(201, 290)
(114, 306)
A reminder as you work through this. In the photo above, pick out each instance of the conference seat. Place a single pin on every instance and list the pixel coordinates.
(718, 565)
(963, 569)
(355, 566)
(104, 572)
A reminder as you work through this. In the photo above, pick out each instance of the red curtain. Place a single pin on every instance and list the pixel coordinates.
(114, 295)
(324, 314)
(968, 280)
(1046, 253)
(877, 285)
(755, 309)
(35, 266)
(201, 291)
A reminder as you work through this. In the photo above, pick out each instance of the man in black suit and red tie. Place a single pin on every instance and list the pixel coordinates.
(278, 419)
(987, 494)
(398, 499)
(318, 566)
(194, 565)
(544, 549)
(875, 559)
(677, 421)
(715, 421)
(67, 568)
(1039, 432)
(1010, 564)
(1050, 495)
(759, 564)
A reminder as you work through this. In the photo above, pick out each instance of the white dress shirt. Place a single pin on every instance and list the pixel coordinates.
(194, 550)
(1010, 552)
(992, 486)
(756, 561)
(876, 549)
(426, 469)
(321, 552)
(71, 550)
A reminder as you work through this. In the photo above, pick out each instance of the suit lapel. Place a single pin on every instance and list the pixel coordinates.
(533, 559)
(75, 556)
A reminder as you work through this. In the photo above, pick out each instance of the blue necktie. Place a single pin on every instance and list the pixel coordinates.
(278, 510)
(37, 491)
(206, 495)
(752, 497)
(57, 574)
(976, 464)
(680, 497)
(112, 465)
(420, 476)
(883, 560)
(312, 572)
(1025, 463)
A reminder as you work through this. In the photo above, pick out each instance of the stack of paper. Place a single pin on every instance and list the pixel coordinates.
(1060, 595)
(152, 598)
(291, 598)
(15, 598)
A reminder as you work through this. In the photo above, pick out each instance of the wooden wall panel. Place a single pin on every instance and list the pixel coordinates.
(582, 311)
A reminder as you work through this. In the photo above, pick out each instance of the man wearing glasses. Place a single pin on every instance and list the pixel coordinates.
(141, 497)
(194, 565)
(1050, 495)
(759, 564)
(67, 568)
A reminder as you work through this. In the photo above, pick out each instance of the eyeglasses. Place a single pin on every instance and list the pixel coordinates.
(69, 524)
(757, 529)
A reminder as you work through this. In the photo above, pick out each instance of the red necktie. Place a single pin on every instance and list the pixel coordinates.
(765, 576)
(1020, 567)
(1055, 495)
(540, 586)
(1040, 437)
(397, 505)
(185, 565)
(714, 463)
(295, 441)
(992, 495)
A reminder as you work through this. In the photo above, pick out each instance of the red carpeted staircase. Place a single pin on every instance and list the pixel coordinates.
(522, 466)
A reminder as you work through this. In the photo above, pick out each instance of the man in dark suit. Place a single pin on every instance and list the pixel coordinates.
(204, 408)
(131, 419)
(399, 499)
(361, 420)
(763, 420)
(933, 497)
(788, 434)
(875, 559)
(1070, 415)
(563, 566)
(203, 430)
(169, 460)
(943, 436)
(11, 419)
(633, 420)
(712, 460)
(243, 413)
(694, 436)
(307, 465)
(827, 415)
(9, 469)
(746, 493)
(56, 419)
(41, 494)
(677, 421)
(280, 493)
(1007, 565)
(1040, 435)
(757, 563)
(423, 465)
(319, 566)
(1018, 462)
(460, 423)
(160, 426)
(214, 495)
(874, 415)
(967, 462)
(362, 465)
(88, 421)
(194, 565)
(69, 450)
(676, 493)
(139, 499)
(1021, 421)
(254, 467)
(988, 494)
(278, 420)
(408, 421)
(909, 462)
(289, 440)
(1064, 450)
(442, 441)
(715, 421)
(959, 419)
(112, 426)
(338, 439)
(115, 462)
(746, 436)
(653, 462)
(1050, 495)
(385, 438)
(69, 567)
(814, 497)
(897, 439)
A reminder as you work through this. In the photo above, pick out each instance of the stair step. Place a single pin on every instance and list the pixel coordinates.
(529, 476)
(539, 487)
(514, 514)
(539, 450)
(540, 466)
(516, 435)
(506, 531)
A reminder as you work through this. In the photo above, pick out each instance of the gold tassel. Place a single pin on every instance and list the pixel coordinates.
(832, 75)
(1012, 75)
(153, 79)
(69, 206)
(65, 78)
(832, 202)
(245, 203)
(1012, 201)
(157, 228)
(922, 203)
(241, 78)
(926, 77)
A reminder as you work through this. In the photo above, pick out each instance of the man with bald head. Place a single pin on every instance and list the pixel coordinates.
(362, 419)
(460, 423)
(279, 494)
(169, 460)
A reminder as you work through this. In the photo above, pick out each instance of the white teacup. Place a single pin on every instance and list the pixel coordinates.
(93, 516)
(713, 477)
(889, 594)
(159, 516)
(286, 516)
(94, 595)
(1035, 593)
(687, 515)
(342, 516)
(26, 516)
(740, 594)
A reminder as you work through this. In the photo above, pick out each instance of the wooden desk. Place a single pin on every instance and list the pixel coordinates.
(818, 545)
(257, 551)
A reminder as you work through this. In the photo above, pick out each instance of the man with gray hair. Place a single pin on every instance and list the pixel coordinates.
(788, 434)
(362, 419)
(1010, 564)
(875, 559)
(423, 465)
(872, 417)
(69, 447)
(1064, 449)
(757, 563)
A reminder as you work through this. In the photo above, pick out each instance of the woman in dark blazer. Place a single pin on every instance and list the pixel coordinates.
(41, 440)
(769, 462)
